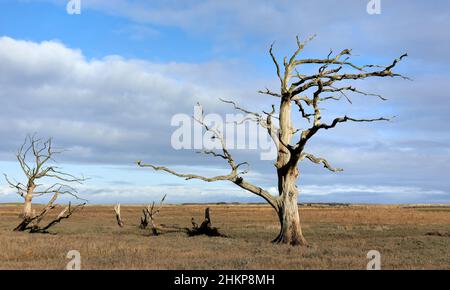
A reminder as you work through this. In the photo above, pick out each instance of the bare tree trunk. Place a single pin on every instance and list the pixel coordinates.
(290, 228)
(27, 211)
(288, 215)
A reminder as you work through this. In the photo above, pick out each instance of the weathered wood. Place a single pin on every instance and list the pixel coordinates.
(118, 216)
(205, 228)
(64, 214)
(144, 219)
(148, 216)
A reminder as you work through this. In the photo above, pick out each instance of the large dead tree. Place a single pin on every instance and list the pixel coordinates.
(306, 92)
(35, 158)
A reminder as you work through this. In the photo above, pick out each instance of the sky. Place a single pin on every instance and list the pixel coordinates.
(106, 83)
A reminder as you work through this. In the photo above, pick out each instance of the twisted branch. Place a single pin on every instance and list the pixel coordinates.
(317, 160)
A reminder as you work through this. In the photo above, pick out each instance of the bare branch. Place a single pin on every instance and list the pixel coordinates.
(21, 189)
(274, 59)
(272, 200)
(266, 123)
(49, 207)
(317, 160)
(270, 93)
(64, 214)
(229, 176)
(157, 211)
(317, 116)
(309, 133)
(331, 76)
(213, 153)
(350, 88)
(233, 176)
(345, 119)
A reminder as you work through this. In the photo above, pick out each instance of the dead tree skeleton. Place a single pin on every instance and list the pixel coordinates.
(307, 92)
(36, 168)
(148, 216)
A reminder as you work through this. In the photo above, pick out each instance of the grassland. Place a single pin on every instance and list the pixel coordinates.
(340, 238)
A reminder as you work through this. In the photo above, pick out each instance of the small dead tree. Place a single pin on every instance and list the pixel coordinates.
(148, 216)
(308, 92)
(118, 217)
(34, 157)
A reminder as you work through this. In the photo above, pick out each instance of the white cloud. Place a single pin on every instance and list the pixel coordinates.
(111, 102)
(6, 190)
(388, 189)
(117, 110)
(141, 194)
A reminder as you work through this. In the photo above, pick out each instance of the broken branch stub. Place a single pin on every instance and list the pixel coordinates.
(118, 217)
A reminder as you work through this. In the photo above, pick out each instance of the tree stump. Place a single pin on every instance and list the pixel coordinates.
(205, 227)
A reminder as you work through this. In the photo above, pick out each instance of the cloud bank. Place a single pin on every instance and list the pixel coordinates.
(116, 110)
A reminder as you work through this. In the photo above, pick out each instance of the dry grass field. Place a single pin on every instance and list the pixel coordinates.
(340, 238)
